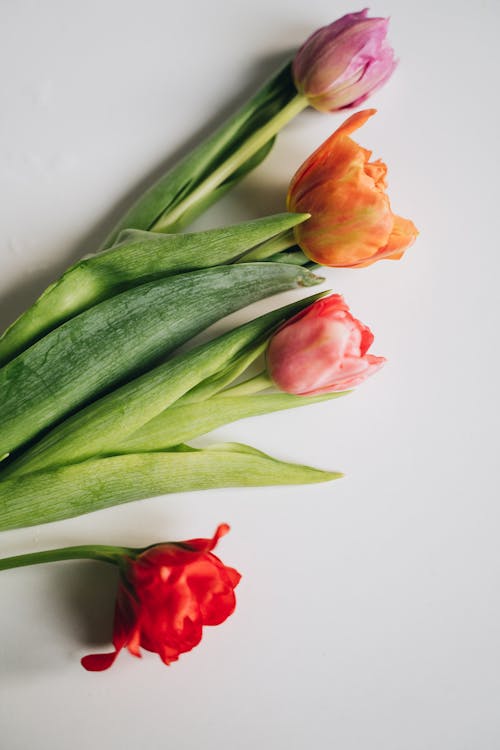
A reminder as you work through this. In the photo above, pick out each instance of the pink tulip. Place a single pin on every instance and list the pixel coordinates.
(322, 349)
(340, 65)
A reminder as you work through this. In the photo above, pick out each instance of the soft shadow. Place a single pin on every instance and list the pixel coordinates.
(76, 616)
(86, 593)
(257, 76)
(261, 197)
(20, 295)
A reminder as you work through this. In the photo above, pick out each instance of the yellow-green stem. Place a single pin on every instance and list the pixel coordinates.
(227, 168)
(260, 382)
(103, 553)
(270, 247)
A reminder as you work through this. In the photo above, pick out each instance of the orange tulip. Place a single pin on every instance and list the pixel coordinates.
(351, 222)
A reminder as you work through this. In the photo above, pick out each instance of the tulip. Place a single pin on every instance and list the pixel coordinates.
(167, 593)
(340, 65)
(351, 222)
(322, 349)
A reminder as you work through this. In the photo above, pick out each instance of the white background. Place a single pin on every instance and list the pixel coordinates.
(368, 616)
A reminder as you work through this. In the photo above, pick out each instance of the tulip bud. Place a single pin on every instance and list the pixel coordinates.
(322, 349)
(340, 65)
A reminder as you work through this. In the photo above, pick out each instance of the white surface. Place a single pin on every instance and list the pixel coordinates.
(368, 615)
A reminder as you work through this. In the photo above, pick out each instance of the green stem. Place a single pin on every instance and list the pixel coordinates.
(258, 383)
(101, 552)
(269, 247)
(250, 147)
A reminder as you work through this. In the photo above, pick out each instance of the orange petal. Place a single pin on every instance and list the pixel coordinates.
(354, 122)
(350, 221)
(328, 151)
(377, 170)
(404, 234)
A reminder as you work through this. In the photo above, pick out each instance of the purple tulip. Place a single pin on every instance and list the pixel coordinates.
(340, 65)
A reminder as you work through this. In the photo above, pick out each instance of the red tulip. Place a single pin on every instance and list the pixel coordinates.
(322, 349)
(166, 594)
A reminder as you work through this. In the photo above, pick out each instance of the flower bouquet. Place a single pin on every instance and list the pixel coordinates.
(98, 400)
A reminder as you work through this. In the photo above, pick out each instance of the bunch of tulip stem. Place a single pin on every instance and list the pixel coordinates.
(140, 271)
(135, 256)
(130, 443)
(96, 407)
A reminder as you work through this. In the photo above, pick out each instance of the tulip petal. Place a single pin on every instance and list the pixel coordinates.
(134, 642)
(168, 654)
(98, 662)
(404, 234)
(350, 222)
(205, 545)
(354, 122)
(233, 575)
(326, 156)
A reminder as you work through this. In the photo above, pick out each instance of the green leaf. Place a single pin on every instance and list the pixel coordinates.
(55, 494)
(95, 430)
(179, 423)
(120, 338)
(137, 258)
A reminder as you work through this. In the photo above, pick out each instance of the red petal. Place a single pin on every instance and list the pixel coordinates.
(205, 545)
(168, 655)
(233, 575)
(219, 608)
(98, 662)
